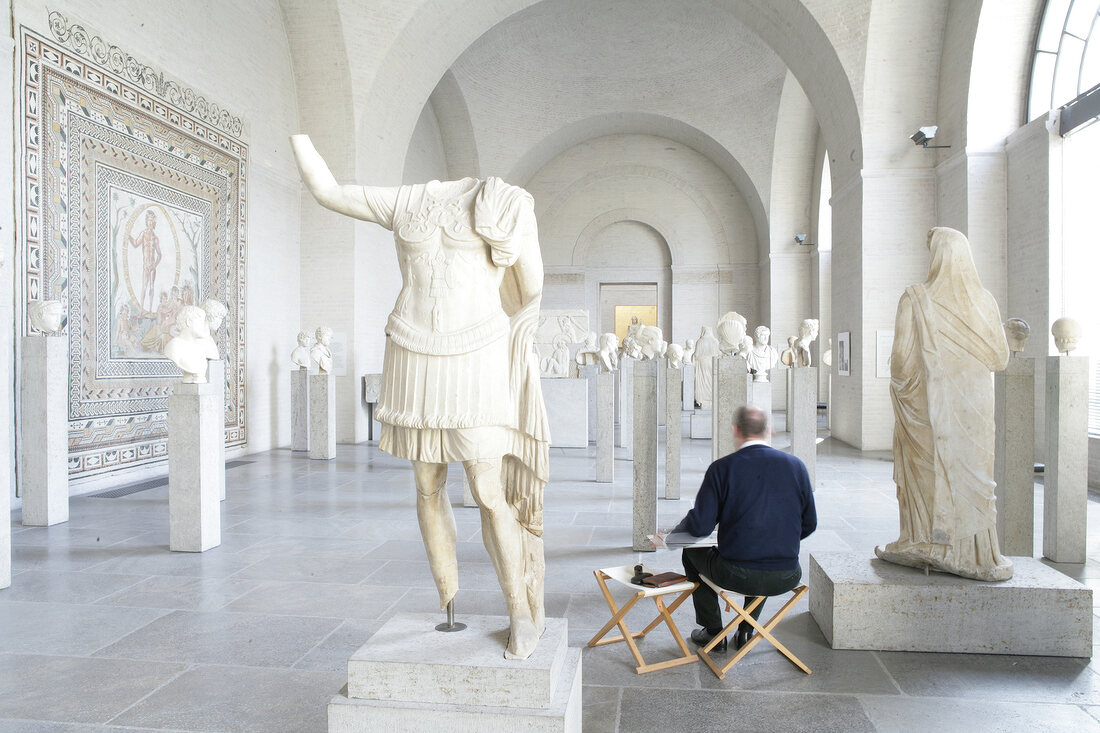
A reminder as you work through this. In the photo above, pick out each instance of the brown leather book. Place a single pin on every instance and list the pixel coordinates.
(660, 580)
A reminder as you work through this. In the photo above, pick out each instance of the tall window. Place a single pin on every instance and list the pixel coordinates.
(1067, 54)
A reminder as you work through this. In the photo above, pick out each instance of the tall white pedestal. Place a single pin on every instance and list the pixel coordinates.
(299, 409)
(588, 373)
(44, 431)
(702, 425)
(731, 390)
(605, 427)
(626, 406)
(645, 454)
(196, 467)
(566, 411)
(1014, 456)
(760, 394)
(688, 388)
(216, 376)
(673, 428)
(1065, 494)
(462, 684)
(322, 416)
(864, 603)
(802, 413)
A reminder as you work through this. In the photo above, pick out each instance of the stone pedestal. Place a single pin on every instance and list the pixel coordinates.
(760, 394)
(863, 603)
(802, 416)
(645, 454)
(216, 376)
(463, 684)
(196, 467)
(626, 406)
(688, 387)
(44, 431)
(605, 427)
(673, 426)
(588, 373)
(1065, 493)
(702, 423)
(566, 411)
(1014, 451)
(731, 390)
(322, 416)
(299, 409)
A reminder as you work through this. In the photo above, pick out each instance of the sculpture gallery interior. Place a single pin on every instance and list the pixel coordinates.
(363, 355)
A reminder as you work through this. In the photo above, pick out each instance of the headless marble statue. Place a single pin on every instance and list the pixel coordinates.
(460, 372)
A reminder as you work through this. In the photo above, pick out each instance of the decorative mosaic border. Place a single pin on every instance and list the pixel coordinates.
(184, 148)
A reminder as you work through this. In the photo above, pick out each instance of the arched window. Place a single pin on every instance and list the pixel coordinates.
(1067, 54)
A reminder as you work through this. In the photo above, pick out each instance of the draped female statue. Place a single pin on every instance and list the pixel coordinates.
(947, 341)
(460, 378)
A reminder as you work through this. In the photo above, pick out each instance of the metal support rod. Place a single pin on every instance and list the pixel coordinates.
(450, 624)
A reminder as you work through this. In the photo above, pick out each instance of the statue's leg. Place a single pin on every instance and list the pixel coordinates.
(503, 537)
(437, 525)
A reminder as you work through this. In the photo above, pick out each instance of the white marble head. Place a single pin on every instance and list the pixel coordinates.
(191, 349)
(762, 335)
(304, 339)
(1067, 333)
(191, 321)
(45, 315)
(215, 314)
(807, 330)
(324, 335)
(675, 354)
(1017, 331)
(732, 329)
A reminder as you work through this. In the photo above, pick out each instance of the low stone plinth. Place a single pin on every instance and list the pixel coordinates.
(865, 603)
(410, 677)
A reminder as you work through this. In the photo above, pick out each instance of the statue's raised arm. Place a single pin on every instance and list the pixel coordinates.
(369, 203)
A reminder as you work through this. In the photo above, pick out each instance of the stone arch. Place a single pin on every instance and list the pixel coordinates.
(607, 219)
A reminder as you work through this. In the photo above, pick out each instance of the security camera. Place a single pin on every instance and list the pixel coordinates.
(924, 135)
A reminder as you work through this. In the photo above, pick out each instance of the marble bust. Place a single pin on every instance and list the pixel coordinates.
(460, 369)
(1067, 333)
(650, 342)
(192, 347)
(787, 357)
(732, 333)
(609, 352)
(948, 339)
(300, 354)
(45, 315)
(807, 334)
(675, 354)
(1017, 332)
(321, 353)
(589, 353)
(215, 314)
(762, 356)
(689, 351)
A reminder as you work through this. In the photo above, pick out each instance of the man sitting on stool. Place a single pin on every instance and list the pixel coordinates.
(763, 504)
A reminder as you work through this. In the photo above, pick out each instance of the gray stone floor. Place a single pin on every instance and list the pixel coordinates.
(104, 629)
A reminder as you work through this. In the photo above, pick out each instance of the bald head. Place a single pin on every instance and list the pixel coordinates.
(749, 423)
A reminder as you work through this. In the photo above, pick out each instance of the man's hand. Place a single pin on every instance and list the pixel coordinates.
(658, 539)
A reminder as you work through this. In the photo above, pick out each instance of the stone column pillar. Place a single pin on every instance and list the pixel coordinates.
(196, 467)
(299, 409)
(760, 394)
(44, 431)
(322, 416)
(802, 408)
(1014, 456)
(688, 377)
(672, 432)
(605, 427)
(731, 390)
(1065, 495)
(645, 454)
(626, 406)
(589, 372)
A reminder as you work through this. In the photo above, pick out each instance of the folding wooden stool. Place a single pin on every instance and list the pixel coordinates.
(664, 614)
(745, 614)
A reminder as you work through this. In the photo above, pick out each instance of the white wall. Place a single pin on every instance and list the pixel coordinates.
(235, 54)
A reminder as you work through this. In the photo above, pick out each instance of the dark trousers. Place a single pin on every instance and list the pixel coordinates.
(746, 581)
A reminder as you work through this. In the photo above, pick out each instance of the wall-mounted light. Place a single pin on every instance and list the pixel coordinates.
(926, 134)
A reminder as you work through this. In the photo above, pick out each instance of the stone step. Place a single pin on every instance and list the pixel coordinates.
(864, 603)
(563, 715)
(407, 660)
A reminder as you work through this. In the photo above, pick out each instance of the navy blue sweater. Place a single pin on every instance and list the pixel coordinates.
(763, 504)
